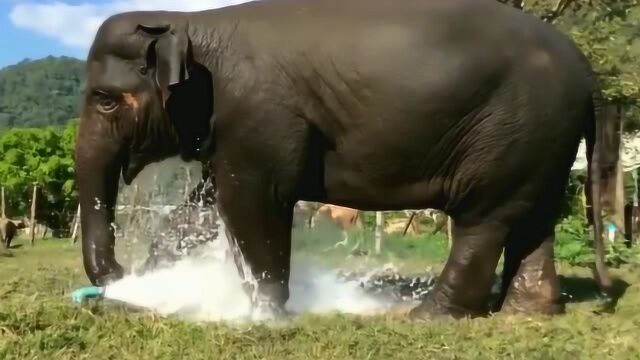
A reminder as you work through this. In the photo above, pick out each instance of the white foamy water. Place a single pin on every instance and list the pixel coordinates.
(208, 288)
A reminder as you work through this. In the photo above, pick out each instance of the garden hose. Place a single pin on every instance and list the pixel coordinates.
(81, 295)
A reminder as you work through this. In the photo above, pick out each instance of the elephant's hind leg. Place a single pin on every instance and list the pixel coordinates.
(464, 287)
(529, 280)
(535, 287)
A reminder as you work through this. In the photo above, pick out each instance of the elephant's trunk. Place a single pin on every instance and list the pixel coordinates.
(98, 165)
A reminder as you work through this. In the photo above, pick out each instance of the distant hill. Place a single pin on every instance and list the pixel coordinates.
(43, 92)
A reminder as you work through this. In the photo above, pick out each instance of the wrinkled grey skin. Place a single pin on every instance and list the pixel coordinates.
(467, 106)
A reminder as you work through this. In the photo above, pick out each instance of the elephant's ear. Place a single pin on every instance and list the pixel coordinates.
(169, 54)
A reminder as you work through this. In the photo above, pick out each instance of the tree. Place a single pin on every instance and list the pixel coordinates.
(43, 157)
(606, 32)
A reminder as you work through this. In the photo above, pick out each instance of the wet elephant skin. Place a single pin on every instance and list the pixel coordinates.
(368, 104)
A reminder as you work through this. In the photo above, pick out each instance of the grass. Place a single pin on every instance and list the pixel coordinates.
(38, 321)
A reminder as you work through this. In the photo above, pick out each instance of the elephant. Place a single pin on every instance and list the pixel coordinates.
(470, 107)
(8, 230)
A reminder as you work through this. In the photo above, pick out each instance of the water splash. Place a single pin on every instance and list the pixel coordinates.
(209, 288)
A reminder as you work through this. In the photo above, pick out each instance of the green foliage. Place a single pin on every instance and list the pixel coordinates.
(574, 245)
(43, 157)
(573, 198)
(41, 93)
(607, 33)
(571, 243)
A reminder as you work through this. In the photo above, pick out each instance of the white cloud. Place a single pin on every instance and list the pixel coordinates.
(76, 25)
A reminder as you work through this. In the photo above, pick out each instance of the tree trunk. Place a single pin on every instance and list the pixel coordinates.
(76, 223)
(618, 188)
(449, 232)
(33, 214)
(379, 231)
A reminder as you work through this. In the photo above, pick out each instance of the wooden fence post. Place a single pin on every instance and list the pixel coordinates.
(409, 222)
(3, 213)
(132, 205)
(33, 214)
(187, 184)
(74, 233)
(379, 231)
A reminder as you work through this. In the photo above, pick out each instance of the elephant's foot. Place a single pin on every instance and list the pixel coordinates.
(464, 287)
(266, 310)
(535, 288)
(430, 309)
(105, 274)
(267, 300)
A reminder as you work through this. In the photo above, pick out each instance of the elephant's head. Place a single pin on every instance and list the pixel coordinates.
(147, 99)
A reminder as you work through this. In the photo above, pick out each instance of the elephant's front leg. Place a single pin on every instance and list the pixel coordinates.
(259, 224)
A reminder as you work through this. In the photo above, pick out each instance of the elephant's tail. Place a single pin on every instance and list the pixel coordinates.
(602, 152)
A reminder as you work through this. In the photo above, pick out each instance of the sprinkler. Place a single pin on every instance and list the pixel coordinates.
(81, 295)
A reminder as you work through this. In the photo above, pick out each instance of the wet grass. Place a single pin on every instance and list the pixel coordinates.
(38, 321)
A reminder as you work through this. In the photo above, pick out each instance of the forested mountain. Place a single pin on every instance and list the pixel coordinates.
(47, 91)
(40, 92)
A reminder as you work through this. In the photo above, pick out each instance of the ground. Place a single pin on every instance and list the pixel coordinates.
(38, 321)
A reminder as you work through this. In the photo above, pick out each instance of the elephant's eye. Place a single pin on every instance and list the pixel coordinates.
(106, 104)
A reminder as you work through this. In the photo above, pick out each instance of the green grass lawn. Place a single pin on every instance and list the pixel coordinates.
(38, 321)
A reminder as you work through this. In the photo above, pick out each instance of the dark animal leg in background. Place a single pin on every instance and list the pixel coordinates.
(529, 280)
(261, 227)
(464, 287)
(310, 221)
(628, 217)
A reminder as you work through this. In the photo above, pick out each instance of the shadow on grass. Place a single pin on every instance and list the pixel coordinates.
(583, 289)
(6, 253)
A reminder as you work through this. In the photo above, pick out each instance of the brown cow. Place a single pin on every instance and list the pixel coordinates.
(8, 230)
(345, 218)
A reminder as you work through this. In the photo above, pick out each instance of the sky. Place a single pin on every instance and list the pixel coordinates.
(37, 28)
